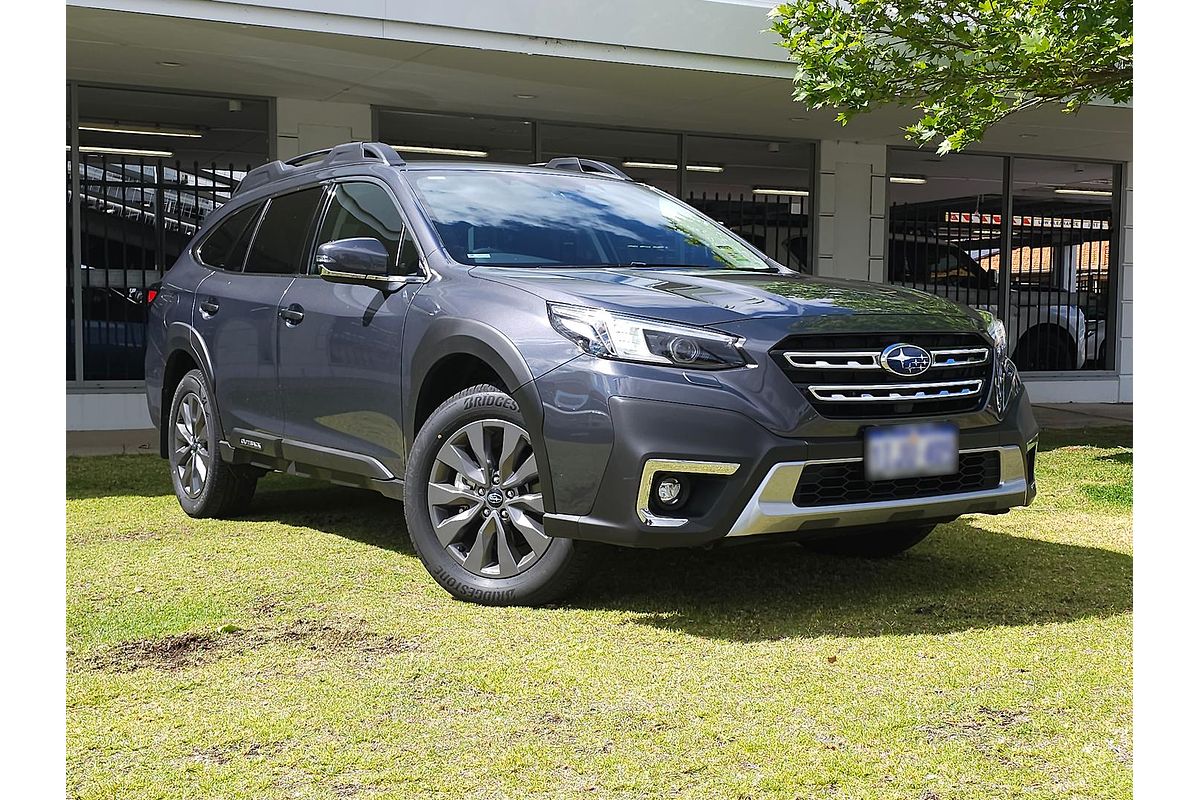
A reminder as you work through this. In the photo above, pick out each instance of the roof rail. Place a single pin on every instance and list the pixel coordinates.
(349, 153)
(575, 164)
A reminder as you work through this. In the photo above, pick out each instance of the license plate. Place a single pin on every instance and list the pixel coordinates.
(909, 451)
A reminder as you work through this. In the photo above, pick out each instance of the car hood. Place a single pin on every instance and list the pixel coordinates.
(711, 296)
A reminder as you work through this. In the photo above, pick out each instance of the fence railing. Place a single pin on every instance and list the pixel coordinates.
(136, 214)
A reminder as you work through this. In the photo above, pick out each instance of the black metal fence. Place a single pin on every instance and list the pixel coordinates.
(777, 225)
(136, 214)
(1060, 264)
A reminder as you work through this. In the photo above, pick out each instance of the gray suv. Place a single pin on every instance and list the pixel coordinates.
(538, 358)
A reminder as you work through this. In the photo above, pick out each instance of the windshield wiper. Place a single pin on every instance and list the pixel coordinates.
(643, 265)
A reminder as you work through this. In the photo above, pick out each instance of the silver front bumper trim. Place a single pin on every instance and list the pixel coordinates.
(771, 509)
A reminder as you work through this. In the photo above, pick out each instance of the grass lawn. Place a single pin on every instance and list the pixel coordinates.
(304, 653)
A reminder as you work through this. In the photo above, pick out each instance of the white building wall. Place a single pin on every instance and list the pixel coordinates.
(708, 35)
(851, 207)
(107, 411)
(302, 126)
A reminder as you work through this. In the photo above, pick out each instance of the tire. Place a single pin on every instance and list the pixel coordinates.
(1046, 348)
(482, 540)
(205, 486)
(879, 543)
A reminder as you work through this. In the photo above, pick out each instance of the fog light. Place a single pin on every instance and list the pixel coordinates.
(670, 491)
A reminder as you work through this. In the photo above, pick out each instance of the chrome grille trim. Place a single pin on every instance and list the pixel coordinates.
(862, 359)
(960, 357)
(892, 392)
(840, 360)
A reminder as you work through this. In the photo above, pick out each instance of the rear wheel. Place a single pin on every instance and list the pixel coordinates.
(204, 484)
(881, 543)
(474, 507)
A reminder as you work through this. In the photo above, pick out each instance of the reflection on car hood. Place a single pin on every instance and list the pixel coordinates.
(712, 296)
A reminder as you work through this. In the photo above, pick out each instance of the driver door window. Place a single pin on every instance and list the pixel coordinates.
(360, 209)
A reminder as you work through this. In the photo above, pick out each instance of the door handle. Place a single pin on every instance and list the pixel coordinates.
(293, 314)
(209, 307)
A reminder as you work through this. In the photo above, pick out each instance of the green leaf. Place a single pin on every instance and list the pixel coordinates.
(968, 63)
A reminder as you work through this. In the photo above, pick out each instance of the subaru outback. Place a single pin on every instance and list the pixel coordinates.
(536, 359)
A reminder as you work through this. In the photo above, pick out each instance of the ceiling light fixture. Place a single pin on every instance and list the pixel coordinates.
(664, 165)
(914, 179)
(782, 192)
(525, 96)
(170, 64)
(138, 130)
(124, 151)
(439, 151)
(1085, 192)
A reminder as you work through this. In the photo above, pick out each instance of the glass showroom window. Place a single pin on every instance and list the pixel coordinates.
(944, 221)
(759, 189)
(646, 156)
(1063, 275)
(445, 137)
(946, 234)
(151, 166)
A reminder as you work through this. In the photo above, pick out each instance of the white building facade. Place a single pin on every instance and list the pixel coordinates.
(170, 101)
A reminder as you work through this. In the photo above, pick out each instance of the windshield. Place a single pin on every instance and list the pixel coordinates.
(532, 219)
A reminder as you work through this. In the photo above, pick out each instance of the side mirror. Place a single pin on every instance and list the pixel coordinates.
(362, 261)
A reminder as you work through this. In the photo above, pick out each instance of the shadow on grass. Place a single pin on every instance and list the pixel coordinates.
(962, 577)
(356, 514)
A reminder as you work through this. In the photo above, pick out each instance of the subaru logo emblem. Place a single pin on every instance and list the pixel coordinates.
(905, 359)
(495, 497)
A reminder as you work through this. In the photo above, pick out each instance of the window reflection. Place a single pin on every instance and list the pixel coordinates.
(511, 218)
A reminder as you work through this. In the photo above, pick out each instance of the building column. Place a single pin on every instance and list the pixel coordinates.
(1124, 362)
(851, 210)
(302, 126)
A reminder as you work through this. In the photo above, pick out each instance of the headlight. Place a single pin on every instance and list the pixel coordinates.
(1004, 371)
(608, 335)
(997, 333)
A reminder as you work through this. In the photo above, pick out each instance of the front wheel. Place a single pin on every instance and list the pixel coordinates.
(881, 543)
(474, 507)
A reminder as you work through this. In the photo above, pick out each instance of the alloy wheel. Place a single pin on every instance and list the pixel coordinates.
(485, 499)
(190, 445)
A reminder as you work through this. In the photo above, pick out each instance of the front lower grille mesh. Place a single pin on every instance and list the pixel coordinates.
(840, 375)
(846, 482)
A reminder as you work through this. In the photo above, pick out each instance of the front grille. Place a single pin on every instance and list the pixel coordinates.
(845, 482)
(842, 377)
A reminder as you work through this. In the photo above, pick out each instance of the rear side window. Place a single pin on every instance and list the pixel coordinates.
(225, 247)
(279, 244)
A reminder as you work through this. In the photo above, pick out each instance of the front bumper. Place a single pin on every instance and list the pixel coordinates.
(604, 451)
